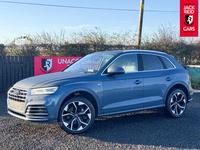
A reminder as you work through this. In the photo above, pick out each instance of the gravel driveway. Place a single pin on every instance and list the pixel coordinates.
(142, 130)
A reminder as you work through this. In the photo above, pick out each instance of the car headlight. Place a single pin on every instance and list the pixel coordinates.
(48, 90)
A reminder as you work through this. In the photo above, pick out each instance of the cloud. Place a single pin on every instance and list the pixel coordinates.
(80, 26)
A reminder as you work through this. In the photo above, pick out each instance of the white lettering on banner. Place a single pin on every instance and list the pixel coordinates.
(66, 61)
(190, 9)
(188, 28)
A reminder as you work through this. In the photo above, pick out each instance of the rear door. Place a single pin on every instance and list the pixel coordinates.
(157, 77)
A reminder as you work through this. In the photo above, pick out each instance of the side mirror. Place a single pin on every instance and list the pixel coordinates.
(116, 70)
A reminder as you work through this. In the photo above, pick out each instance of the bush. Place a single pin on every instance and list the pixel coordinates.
(87, 41)
(195, 83)
(75, 44)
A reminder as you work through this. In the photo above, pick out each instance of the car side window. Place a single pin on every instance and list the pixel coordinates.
(151, 62)
(167, 63)
(128, 62)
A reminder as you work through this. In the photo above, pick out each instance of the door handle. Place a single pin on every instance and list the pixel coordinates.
(137, 82)
(168, 79)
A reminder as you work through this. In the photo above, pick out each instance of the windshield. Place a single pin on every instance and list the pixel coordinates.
(90, 64)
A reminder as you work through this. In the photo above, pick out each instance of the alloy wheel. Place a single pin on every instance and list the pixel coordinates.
(178, 103)
(76, 116)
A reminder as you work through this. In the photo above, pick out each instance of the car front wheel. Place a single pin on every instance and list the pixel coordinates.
(176, 103)
(76, 115)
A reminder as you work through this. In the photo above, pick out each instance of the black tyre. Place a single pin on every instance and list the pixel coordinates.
(176, 103)
(76, 115)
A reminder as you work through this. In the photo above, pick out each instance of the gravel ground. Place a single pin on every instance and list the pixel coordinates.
(142, 130)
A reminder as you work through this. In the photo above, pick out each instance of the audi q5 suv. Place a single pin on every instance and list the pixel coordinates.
(103, 83)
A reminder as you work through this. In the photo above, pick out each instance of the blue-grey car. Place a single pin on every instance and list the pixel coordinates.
(103, 83)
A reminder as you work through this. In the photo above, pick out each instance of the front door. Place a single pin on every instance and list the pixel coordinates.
(123, 92)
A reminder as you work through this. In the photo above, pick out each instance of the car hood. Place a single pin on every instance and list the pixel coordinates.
(54, 79)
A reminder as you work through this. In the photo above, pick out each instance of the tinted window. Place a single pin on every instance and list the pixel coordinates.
(128, 62)
(151, 62)
(167, 63)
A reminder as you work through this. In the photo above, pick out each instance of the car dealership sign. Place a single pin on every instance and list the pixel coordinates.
(189, 18)
(44, 65)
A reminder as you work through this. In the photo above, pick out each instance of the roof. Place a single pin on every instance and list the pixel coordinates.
(128, 51)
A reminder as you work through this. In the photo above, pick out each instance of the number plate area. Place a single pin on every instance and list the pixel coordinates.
(18, 106)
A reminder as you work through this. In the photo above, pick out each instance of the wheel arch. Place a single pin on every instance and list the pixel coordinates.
(83, 93)
(177, 86)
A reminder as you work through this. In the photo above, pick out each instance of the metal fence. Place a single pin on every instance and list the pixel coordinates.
(194, 72)
(13, 69)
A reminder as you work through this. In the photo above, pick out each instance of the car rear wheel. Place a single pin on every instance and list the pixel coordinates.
(76, 115)
(176, 103)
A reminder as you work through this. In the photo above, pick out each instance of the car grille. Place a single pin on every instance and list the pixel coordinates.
(36, 110)
(17, 99)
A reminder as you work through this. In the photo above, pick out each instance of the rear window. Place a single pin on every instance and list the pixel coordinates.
(151, 62)
(167, 64)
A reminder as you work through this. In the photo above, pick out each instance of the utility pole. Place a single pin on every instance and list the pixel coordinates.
(140, 23)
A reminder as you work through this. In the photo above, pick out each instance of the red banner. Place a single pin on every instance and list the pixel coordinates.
(44, 65)
(188, 18)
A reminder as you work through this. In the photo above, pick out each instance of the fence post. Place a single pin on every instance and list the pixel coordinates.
(28, 66)
(20, 68)
(184, 61)
(4, 74)
(32, 65)
(8, 73)
(24, 67)
(16, 69)
(12, 70)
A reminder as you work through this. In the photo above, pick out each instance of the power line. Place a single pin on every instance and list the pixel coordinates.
(78, 7)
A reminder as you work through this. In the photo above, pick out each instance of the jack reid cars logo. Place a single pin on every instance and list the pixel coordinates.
(188, 18)
(189, 11)
(46, 65)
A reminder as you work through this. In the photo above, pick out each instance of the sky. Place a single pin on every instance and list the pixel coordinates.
(19, 20)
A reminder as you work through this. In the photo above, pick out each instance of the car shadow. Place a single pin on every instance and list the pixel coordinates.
(148, 128)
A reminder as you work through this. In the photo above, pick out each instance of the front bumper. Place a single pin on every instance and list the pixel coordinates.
(35, 108)
(29, 118)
